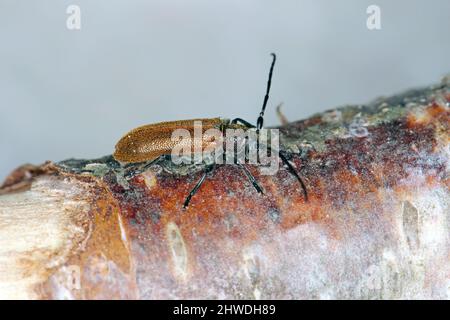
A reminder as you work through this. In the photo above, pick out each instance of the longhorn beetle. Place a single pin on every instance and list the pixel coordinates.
(149, 142)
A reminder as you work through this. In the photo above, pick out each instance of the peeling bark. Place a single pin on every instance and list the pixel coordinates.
(375, 226)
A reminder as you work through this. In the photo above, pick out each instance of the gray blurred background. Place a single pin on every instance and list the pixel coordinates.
(74, 93)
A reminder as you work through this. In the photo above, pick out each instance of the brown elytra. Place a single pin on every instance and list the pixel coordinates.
(148, 142)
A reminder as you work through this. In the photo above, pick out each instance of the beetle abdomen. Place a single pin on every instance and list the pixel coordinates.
(148, 142)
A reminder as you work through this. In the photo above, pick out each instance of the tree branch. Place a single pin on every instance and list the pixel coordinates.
(375, 226)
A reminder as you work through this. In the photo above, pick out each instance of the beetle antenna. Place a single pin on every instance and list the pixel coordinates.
(260, 121)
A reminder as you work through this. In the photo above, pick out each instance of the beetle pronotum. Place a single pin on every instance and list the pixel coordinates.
(149, 142)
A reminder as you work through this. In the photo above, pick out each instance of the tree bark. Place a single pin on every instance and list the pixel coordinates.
(375, 225)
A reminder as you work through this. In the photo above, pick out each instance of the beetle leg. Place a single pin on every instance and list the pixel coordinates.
(84, 171)
(198, 185)
(251, 178)
(150, 163)
(292, 170)
(131, 170)
(242, 121)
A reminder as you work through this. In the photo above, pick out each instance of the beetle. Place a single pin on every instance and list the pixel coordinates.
(150, 142)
